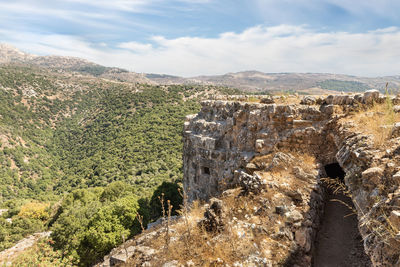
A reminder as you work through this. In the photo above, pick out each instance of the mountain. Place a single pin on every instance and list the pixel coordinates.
(10, 54)
(310, 83)
(250, 81)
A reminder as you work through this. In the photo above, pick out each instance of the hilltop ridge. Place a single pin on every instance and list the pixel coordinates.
(9, 53)
(251, 81)
(12, 55)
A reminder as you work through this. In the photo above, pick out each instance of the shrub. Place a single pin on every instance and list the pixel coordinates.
(35, 210)
(169, 191)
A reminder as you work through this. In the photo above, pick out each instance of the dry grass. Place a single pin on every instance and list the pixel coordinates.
(251, 226)
(305, 160)
(253, 99)
(376, 220)
(337, 186)
(242, 236)
(287, 100)
(376, 121)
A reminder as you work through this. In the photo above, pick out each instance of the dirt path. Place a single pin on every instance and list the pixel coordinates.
(338, 243)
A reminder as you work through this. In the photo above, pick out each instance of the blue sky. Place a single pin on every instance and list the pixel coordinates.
(196, 37)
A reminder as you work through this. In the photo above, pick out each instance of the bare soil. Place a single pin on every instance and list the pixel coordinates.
(338, 242)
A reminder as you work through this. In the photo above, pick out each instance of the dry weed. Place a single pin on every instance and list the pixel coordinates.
(251, 226)
(288, 100)
(376, 222)
(253, 99)
(377, 121)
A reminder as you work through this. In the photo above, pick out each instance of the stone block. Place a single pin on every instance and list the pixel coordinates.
(303, 238)
(396, 178)
(370, 96)
(373, 175)
(294, 216)
(394, 219)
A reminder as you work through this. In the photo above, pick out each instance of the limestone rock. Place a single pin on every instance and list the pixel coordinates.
(281, 160)
(396, 129)
(396, 108)
(251, 167)
(213, 217)
(122, 257)
(396, 178)
(373, 175)
(173, 263)
(370, 96)
(293, 216)
(267, 100)
(250, 183)
(303, 238)
(308, 100)
(302, 175)
(394, 219)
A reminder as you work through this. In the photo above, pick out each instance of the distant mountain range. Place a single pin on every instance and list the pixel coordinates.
(251, 81)
(312, 83)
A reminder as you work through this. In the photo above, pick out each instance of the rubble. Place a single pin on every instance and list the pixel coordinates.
(213, 217)
(250, 183)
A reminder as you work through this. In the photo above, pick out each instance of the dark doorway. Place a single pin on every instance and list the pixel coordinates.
(335, 171)
(206, 170)
(338, 241)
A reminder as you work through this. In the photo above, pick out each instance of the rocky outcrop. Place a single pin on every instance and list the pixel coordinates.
(213, 217)
(227, 135)
(6, 256)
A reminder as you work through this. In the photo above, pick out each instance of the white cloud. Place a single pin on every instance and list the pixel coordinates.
(136, 47)
(270, 49)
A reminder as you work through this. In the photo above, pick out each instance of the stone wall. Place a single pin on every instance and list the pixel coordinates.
(226, 135)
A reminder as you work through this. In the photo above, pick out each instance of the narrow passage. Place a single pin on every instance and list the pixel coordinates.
(338, 242)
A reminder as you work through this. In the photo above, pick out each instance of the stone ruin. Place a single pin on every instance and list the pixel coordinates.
(221, 141)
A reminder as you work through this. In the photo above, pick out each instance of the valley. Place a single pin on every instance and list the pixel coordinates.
(90, 155)
(67, 138)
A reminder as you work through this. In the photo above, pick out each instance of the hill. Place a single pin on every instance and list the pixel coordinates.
(303, 83)
(73, 146)
(250, 81)
(10, 54)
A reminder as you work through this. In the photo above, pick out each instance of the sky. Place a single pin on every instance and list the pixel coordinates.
(210, 37)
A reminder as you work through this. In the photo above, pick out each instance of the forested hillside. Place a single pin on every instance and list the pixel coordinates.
(345, 86)
(82, 156)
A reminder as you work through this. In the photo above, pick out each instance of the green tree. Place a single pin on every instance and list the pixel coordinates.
(166, 191)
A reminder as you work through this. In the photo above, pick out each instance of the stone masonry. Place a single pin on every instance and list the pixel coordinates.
(226, 135)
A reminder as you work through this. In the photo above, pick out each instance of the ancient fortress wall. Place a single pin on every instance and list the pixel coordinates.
(226, 135)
